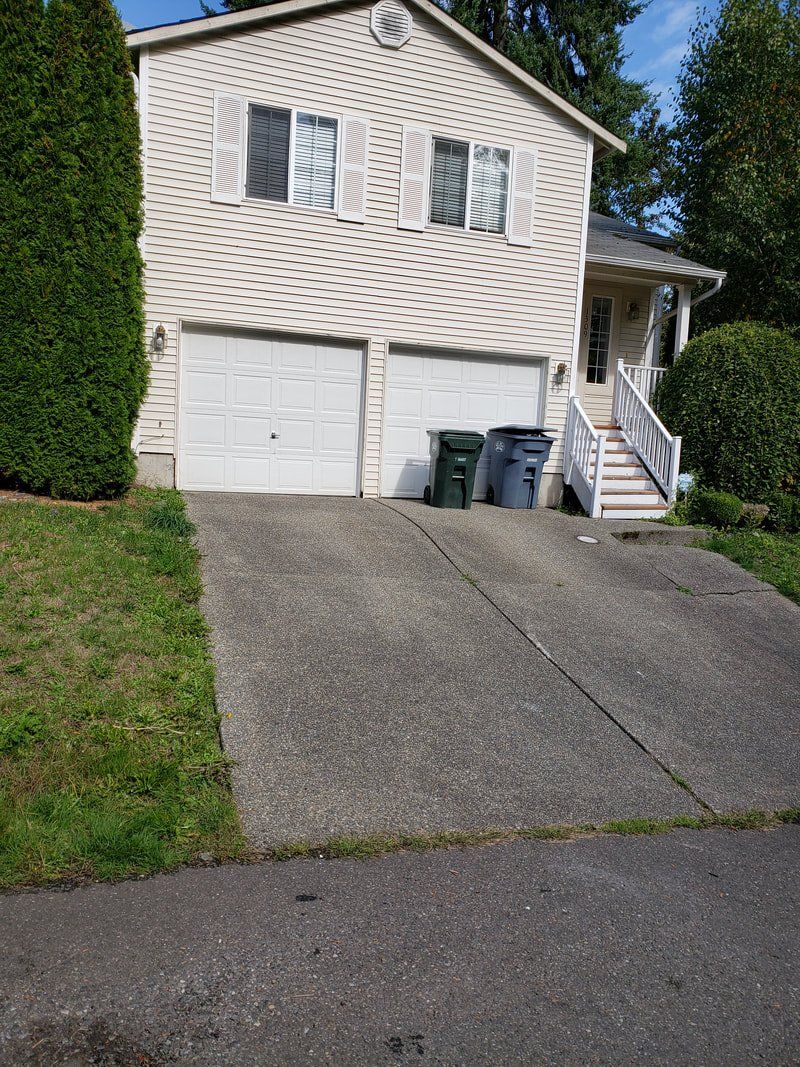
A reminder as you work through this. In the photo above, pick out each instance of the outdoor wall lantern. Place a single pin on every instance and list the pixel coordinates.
(159, 337)
(561, 370)
(633, 311)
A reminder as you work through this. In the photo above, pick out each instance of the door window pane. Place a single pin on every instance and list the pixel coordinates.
(489, 194)
(599, 340)
(315, 161)
(449, 182)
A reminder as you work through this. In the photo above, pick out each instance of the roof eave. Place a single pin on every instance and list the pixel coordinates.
(678, 270)
(605, 141)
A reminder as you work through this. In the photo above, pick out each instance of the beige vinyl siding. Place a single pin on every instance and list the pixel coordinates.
(275, 267)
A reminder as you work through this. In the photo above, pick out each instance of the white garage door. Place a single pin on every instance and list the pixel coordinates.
(427, 391)
(269, 414)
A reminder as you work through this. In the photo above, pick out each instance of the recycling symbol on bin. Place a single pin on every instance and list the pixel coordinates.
(499, 446)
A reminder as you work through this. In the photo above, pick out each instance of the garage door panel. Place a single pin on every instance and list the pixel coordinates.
(249, 474)
(460, 391)
(481, 407)
(403, 401)
(249, 432)
(205, 429)
(204, 471)
(335, 476)
(250, 350)
(443, 404)
(237, 389)
(339, 360)
(202, 387)
(338, 437)
(251, 391)
(295, 435)
(339, 397)
(296, 355)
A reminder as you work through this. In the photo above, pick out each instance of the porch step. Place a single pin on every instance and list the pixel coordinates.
(632, 511)
(641, 497)
(638, 482)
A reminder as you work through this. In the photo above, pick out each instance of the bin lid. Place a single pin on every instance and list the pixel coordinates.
(521, 432)
(444, 434)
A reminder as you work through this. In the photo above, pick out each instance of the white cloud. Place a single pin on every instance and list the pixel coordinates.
(680, 15)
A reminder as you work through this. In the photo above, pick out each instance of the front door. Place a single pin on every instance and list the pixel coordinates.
(598, 351)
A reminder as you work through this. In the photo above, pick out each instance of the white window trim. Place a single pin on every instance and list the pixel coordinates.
(472, 145)
(600, 295)
(293, 112)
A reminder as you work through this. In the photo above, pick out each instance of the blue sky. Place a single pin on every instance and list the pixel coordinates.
(656, 41)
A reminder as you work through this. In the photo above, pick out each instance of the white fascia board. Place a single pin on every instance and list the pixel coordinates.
(670, 270)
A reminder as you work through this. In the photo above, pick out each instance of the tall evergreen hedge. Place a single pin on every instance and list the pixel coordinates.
(73, 369)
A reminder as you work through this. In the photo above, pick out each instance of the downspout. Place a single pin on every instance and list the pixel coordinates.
(715, 288)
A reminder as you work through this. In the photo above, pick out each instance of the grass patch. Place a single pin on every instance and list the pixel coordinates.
(382, 845)
(110, 763)
(772, 557)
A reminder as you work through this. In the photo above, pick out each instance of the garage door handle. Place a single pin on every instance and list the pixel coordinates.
(274, 435)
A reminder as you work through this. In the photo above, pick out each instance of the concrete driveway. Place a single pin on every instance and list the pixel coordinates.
(384, 667)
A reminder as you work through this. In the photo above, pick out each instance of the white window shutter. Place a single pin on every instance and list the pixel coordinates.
(354, 161)
(414, 170)
(523, 186)
(228, 148)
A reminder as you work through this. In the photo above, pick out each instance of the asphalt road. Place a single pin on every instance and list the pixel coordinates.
(674, 949)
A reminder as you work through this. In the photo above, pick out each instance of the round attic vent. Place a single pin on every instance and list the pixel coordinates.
(391, 23)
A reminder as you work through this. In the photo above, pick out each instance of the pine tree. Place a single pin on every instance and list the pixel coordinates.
(738, 149)
(575, 48)
(70, 394)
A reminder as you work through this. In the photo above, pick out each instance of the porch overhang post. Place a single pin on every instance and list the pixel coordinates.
(682, 319)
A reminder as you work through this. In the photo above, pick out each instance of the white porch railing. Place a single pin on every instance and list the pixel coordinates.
(658, 451)
(584, 451)
(645, 378)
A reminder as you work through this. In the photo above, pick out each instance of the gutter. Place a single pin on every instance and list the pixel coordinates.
(715, 288)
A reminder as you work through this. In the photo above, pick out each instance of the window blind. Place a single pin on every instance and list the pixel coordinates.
(489, 191)
(315, 161)
(268, 154)
(449, 182)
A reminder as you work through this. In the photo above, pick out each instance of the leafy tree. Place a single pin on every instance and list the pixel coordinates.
(575, 48)
(74, 369)
(738, 148)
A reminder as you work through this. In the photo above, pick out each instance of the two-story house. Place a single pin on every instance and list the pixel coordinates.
(361, 223)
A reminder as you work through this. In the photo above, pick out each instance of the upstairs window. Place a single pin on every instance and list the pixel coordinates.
(469, 185)
(292, 157)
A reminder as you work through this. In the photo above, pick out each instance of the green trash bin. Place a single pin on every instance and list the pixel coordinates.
(454, 458)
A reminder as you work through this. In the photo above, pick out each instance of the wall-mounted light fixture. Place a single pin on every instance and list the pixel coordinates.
(561, 370)
(159, 337)
(633, 311)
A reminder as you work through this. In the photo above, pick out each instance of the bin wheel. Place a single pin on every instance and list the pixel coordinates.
(426, 495)
(489, 495)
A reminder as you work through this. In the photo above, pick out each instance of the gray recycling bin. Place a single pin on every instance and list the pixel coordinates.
(517, 455)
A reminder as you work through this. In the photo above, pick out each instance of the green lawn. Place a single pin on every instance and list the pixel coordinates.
(774, 558)
(110, 762)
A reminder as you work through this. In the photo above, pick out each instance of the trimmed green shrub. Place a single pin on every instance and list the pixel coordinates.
(73, 370)
(734, 398)
(712, 508)
(784, 513)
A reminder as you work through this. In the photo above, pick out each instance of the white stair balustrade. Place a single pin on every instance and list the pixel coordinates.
(584, 457)
(645, 378)
(650, 441)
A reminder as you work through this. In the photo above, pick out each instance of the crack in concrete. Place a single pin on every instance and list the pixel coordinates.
(676, 780)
